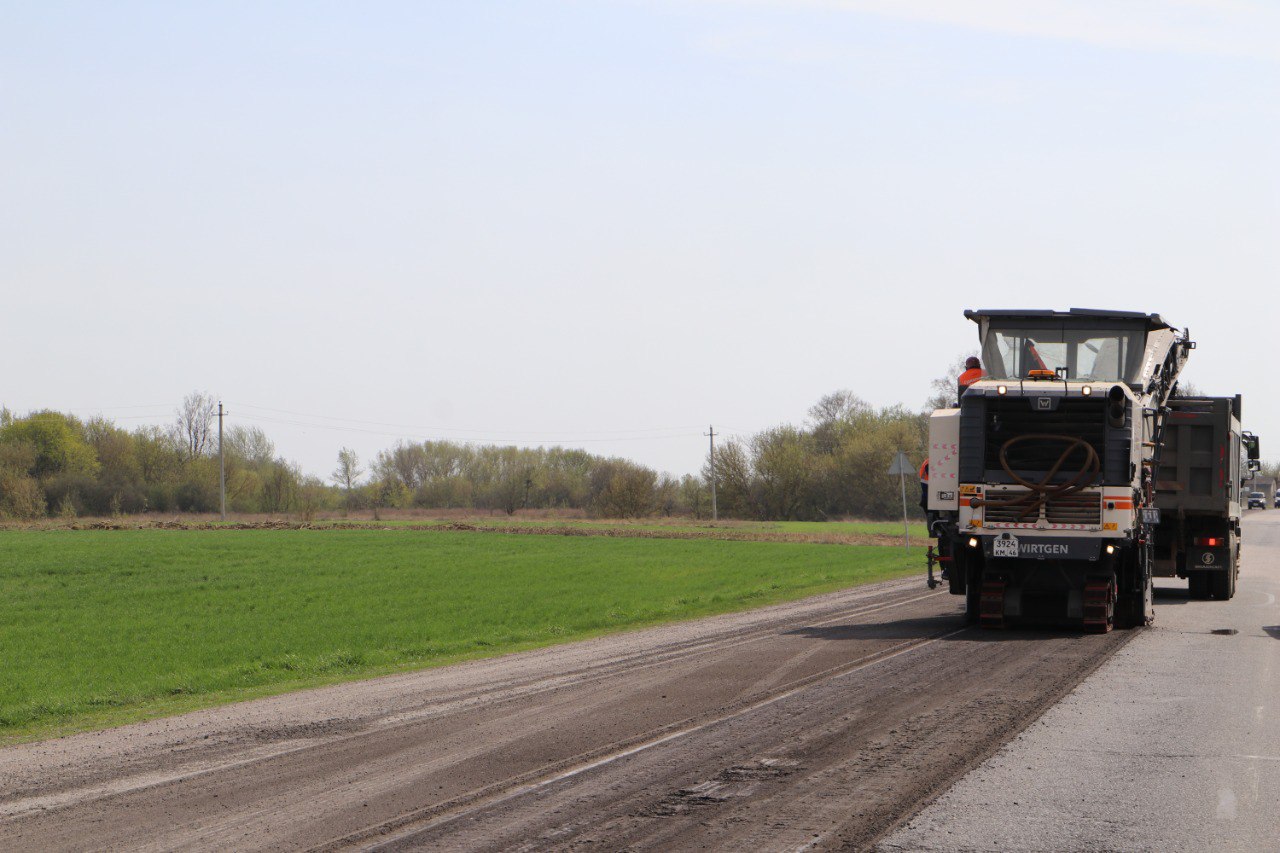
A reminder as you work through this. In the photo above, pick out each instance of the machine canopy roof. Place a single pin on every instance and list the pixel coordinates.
(1081, 318)
(1080, 344)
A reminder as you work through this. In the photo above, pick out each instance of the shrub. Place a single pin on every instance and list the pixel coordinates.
(21, 498)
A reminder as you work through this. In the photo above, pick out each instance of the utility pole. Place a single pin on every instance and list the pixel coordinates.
(712, 434)
(222, 468)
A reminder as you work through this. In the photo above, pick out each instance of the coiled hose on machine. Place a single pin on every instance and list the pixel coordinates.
(1039, 494)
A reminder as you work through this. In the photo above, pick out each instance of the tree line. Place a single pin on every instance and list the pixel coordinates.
(835, 466)
(55, 464)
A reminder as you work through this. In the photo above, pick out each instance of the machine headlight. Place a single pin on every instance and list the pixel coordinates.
(973, 541)
(1111, 549)
(1002, 390)
(1087, 390)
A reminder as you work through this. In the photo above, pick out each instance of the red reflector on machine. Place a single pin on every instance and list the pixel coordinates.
(1209, 541)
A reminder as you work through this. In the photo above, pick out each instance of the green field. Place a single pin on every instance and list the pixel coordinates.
(102, 627)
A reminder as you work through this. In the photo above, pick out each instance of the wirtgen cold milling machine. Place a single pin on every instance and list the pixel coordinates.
(1042, 482)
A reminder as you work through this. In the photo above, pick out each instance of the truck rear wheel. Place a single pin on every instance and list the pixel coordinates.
(1224, 584)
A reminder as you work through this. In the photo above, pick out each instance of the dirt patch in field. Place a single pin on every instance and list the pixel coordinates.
(619, 531)
(722, 533)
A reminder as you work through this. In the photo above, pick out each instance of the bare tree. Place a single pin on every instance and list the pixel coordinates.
(250, 445)
(838, 406)
(733, 477)
(348, 471)
(280, 486)
(694, 494)
(195, 423)
(946, 388)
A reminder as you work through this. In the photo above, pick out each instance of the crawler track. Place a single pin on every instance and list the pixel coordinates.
(826, 721)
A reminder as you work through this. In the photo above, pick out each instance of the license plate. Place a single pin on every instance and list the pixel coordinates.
(1005, 547)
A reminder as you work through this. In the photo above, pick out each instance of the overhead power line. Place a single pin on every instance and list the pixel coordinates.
(436, 429)
(427, 436)
(465, 435)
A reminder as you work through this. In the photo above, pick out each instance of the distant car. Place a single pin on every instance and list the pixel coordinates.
(1257, 500)
(1277, 500)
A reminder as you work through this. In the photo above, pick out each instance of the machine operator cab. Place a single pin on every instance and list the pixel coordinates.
(1075, 346)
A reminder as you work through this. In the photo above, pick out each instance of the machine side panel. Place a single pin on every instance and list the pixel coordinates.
(972, 437)
(944, 460)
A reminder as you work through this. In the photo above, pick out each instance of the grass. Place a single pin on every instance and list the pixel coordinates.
(104, 627)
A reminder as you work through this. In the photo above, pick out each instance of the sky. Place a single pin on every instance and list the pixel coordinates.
(610, 225)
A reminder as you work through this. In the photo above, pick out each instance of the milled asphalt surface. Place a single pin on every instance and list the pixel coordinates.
(1173, 744)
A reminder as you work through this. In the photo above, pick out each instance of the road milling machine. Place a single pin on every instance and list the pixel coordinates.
(1042, 488)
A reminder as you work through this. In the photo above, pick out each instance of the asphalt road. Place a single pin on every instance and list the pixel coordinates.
(1173, 744)
(820, 723)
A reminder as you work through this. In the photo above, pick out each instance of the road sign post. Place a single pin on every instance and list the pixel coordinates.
(901, 465)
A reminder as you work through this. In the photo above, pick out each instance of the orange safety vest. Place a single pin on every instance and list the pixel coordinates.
(924, 472)
(971, 376)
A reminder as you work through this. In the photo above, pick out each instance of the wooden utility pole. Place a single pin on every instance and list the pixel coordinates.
(712, 434)
(222, 467)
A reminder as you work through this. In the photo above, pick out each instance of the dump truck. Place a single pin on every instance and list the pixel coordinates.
(1204, 462)
(1042, 490)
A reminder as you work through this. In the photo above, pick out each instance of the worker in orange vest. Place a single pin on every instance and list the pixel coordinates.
(972, 373)
(924, 485)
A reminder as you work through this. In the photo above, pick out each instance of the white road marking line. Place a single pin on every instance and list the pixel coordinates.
(1226, 804)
